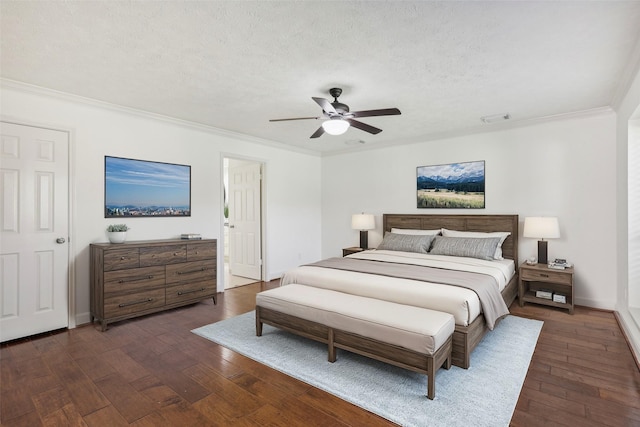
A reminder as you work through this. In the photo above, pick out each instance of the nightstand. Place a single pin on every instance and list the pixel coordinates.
(349, 251)
(540, 277)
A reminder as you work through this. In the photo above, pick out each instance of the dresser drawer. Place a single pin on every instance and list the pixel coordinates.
(546, 276)
(133, 279)
(119, 259)
(195, 271)
(161, 255)
(190, 291)
(121, 305)
(197, 252)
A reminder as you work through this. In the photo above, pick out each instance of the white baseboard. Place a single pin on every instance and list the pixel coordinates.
(277, 275)
(631, 329)
(83, 318)
(599, 304)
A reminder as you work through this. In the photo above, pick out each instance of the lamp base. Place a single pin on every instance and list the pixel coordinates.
(542, 252)
(364, 239)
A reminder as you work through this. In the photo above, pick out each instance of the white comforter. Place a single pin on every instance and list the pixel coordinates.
(462, 303)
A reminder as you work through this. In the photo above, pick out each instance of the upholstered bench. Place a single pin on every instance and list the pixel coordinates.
(411, 337)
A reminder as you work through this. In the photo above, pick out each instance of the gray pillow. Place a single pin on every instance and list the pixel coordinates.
(406, 243)
(472, 247)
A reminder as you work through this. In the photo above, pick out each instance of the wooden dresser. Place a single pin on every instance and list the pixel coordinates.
(137, 278)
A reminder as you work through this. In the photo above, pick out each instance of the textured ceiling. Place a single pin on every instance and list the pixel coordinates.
(234, 65)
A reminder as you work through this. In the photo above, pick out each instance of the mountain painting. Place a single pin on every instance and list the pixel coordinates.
(451, 186)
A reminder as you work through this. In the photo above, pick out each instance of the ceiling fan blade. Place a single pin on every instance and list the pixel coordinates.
(372, 113)
(318, 133)
(325, 105)
(295, 118)
(363, 126)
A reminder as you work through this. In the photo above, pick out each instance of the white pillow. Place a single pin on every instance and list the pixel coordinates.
(415, 232)
(480, 235)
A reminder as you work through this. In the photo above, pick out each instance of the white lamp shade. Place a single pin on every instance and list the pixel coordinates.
(335, 127)
(363, 222)
(541, 227)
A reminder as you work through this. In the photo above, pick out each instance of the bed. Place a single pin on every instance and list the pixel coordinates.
(360, 275)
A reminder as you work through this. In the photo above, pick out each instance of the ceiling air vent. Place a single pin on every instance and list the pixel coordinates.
(495, 118)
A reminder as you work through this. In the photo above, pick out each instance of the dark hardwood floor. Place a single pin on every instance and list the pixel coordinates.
(153, 371)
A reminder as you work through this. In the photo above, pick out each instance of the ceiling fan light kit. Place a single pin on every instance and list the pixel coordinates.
(340, 118)
(335, 126)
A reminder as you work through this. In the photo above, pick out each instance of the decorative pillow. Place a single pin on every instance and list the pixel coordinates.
(415, 232)
(406, 243)
(480, 235)
(473, 247)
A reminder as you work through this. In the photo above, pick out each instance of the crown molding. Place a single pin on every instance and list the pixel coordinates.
(494, 127)
(628, 75)
(65, 96)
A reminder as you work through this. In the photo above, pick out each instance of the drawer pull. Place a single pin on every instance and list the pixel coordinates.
(175, 254)
(190, 292)
(192, 271)
(544, 275)
(135, 279)
(126, 304)
(122, 258)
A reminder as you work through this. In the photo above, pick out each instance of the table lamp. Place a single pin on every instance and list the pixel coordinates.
(541, 227)
(363, 222)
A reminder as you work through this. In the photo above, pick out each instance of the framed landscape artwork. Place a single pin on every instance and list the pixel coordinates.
(140, 188)
(451, 186)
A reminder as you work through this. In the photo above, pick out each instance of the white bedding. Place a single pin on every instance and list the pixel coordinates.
(462, 303)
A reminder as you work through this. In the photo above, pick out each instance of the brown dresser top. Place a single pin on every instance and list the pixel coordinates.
(148, 243)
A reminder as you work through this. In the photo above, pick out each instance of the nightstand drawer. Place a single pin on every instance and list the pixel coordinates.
(546, 276)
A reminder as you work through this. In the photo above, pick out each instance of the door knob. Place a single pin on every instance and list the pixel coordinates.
(60, 240)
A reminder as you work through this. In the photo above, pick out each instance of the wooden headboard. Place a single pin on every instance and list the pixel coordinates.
(484, 223)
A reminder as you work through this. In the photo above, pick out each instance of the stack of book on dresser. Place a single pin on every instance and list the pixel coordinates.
(191, 236)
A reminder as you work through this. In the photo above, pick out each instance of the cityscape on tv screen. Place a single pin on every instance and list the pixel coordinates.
(139, 188)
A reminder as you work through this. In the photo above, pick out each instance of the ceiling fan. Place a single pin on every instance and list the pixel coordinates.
(340, 118)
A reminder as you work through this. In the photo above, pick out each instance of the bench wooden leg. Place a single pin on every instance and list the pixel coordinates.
(258, 323)
(431, 378)
(331, 347)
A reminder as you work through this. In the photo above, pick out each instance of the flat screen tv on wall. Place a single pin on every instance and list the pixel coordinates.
(141, 188)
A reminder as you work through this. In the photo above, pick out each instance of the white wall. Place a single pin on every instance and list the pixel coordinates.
(565, 168)
(292, 180)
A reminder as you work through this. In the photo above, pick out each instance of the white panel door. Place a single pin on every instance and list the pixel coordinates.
(244, 220)
(34, 258)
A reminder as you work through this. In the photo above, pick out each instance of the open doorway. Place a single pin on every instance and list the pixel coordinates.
(242, 221)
